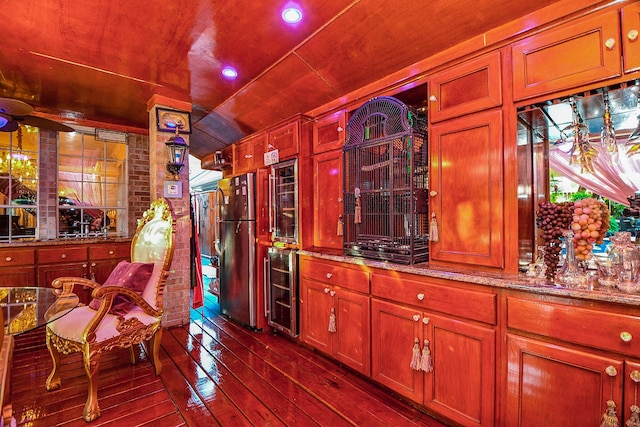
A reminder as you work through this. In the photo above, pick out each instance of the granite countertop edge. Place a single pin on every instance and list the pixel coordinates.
(64, 242)
(521, 283)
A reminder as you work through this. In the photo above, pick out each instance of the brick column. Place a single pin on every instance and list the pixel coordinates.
(178, 288)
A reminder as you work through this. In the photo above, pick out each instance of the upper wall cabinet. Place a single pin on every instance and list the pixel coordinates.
(286, 140)
(329, 132)
(630, 38)
(568, 56)
(472, 86)
(249, 154)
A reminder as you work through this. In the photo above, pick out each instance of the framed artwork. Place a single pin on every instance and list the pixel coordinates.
(168, 120)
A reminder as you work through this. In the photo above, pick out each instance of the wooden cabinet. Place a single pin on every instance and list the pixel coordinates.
(329, 132)
(327, 193)
(577, 53)
(103, 259)
(466, 189)
(472, 86)
(630, 37)
(334, 317)
(17, 267)
(583, 352)
(461, 384)
(285, 139)
(59, 261)
(249, 154)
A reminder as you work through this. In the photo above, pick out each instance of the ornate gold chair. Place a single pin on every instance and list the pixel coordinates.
(125, 311)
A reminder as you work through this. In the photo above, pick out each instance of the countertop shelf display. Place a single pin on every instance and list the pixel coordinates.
(385, 183)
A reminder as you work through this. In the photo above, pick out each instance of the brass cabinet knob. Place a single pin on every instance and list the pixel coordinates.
(635, 376)
(416, 317)
(632, 35)
(326, 290)
(329, 275)
(611, 371)
(8, 259)
(63, 256)
(332, 293)
(426, 320)
(420, 297)
(433, 98)
(110, 252)
(610, 43)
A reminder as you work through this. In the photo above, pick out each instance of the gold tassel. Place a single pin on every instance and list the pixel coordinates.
(634, 420)
(426, 366)
(433, 228)
(609, 418)
(415, 358)
(357, 217)
(332, 320)
(340, 231)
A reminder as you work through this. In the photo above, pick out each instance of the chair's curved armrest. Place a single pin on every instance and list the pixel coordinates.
(107, 293)
(64, 285)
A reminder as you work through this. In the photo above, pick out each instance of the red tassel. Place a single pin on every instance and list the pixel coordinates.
(433, 228)
(610, 418)
(415, 358)
(426, 358)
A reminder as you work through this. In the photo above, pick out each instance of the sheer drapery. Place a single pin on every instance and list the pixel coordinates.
(90, 193)
(616, 176)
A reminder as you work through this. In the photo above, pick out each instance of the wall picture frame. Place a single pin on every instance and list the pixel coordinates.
(167, 119)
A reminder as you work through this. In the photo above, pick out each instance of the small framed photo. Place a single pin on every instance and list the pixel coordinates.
(173, 189)
(168, 120)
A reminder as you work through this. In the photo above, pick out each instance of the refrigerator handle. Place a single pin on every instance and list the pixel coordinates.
(272, 202)
(217, 222)
(266, 285)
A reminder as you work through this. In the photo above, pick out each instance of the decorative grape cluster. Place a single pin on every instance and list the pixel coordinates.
(590, 224)
(553, 219)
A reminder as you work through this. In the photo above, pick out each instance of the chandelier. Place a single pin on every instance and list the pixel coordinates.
(19, 165)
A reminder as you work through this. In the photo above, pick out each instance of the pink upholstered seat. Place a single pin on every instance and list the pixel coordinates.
(95, 330)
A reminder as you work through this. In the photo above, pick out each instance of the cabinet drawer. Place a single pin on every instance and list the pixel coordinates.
(335, 274)
(109, 251)
(586, 326)
(14, 257)
(441, 297)
(62, 254)
(472, 86)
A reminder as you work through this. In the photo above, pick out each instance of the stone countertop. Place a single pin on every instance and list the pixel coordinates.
(64, 242)
(520, 283)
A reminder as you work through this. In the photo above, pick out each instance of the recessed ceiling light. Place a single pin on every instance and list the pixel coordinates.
(229, 72)
(292, 15)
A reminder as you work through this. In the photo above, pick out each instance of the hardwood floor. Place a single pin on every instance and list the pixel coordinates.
(215, 373)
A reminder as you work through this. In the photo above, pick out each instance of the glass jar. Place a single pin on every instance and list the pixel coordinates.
(625, 258)
(572, 274)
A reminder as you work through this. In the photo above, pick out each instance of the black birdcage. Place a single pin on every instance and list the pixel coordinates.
(385, 183)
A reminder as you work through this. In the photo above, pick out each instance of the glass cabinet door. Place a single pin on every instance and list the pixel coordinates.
(282, 291)
(285, 202)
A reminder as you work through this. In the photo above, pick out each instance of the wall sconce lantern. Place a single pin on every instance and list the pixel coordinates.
(176, 153)
(178, 122)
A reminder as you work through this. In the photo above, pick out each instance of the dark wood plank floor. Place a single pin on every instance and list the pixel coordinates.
(215, 373)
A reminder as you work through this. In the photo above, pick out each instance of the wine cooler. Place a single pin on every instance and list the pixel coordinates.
(281, 304)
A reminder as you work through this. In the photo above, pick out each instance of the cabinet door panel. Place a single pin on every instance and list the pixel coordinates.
(47, 273)
(566, 57)
(631, 41)
(550, 384)
(315, 309)
(393, 331)
(352, 337)
(462, 383)
(286, 140)
(18, 276)
(329, 132)
(472, 86)
(242, 158)
(630, 390)
(466, 173)
(327, 169)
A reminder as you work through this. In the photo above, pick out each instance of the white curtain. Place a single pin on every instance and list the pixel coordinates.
(92, 190)
(616, 176)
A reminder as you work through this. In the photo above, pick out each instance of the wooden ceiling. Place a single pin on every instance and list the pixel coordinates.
(82, 61)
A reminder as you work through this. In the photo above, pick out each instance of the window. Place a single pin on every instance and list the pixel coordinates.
(92, 187)
(18, 184)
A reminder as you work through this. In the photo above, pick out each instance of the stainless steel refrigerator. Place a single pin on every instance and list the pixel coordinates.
(235, 243)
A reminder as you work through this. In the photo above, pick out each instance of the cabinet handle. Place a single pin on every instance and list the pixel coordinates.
(632, 35)
(64, 256)
(433, 98)
(610, 43)
(433, 193)
(332, 293)
(611, 371)
(8, 259)
(626, 336)
(420, 297)
(326, 290)
(340, 129)
(110, 252)
(248, 156)
(416, 317)
(329, 275)
(426, 320)
(635, 376)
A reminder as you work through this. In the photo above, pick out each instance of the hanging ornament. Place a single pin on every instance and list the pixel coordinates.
(357, 217)
(581, 151)
(634, 419)
(608, 133)
(610, 418)
(426, 365)
(332, 320)
(340, 230)
(433, 228)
